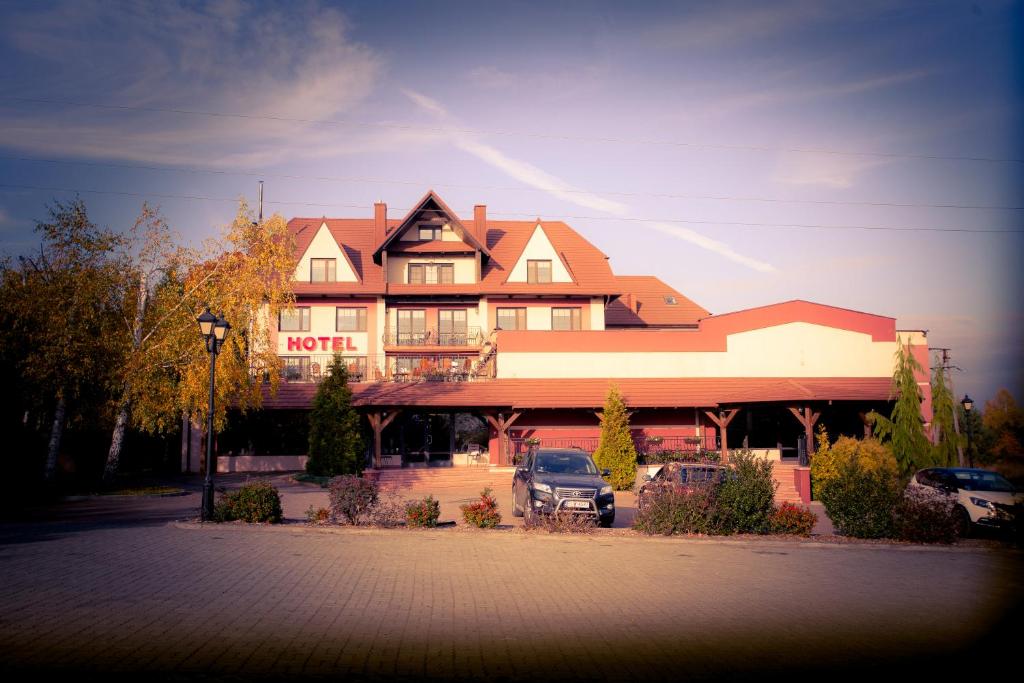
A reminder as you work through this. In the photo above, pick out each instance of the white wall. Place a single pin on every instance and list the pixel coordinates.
(790, 350)
(322, 324)
(597, 313)
(464, 274)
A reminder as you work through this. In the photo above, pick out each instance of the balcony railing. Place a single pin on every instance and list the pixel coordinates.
(436, 367)
(465, 336)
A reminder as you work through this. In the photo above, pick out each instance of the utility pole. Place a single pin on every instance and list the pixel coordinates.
(261, 202)
(946, 367)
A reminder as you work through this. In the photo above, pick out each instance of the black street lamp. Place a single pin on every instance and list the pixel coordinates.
(214, 330)
(968, 405)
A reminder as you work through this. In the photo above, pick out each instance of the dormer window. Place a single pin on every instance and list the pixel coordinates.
(430, 232)
(538, 272)
(322, 270)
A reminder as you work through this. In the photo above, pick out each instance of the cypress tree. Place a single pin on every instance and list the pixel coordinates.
(946, 438)
(903, 429)
(335, 439)
(616, 451)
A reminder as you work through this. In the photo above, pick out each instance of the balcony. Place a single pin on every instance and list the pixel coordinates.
(434, 367)
(465, 336)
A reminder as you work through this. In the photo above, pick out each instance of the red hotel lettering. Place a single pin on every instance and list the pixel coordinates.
(310, 343)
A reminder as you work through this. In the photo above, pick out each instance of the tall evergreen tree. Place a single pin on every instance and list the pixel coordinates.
(335, 440)
(616, 451)
(943, 425)
(903, 429)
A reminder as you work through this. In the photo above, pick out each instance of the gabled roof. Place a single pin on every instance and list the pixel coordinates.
(355, 237)
(645, 303)
(586, 264)
(424, 204)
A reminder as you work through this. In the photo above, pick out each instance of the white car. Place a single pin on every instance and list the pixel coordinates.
(978, 494)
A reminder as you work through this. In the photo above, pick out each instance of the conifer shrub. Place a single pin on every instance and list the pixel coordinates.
(482, 513)
(422, 513)
(793, 519)
(335, 438)
(616, 451)
(746, 499)
(255, 501)
(352, 498)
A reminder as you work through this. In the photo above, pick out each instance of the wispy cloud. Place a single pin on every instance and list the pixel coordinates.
(219, 57)
(535, 177)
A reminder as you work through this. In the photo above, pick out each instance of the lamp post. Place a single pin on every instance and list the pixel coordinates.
(968, 405)
(214, 330)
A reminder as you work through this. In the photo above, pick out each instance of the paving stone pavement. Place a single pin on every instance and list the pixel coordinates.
(87, 591)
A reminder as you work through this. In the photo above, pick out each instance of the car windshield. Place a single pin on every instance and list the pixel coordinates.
(565, 463)
(982, 481)
(696, 474)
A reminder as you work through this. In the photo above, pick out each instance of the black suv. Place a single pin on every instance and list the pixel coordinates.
(561, 480)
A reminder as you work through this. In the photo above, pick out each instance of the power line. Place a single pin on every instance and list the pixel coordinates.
(684, 221)
(442, 130)
(512, 188)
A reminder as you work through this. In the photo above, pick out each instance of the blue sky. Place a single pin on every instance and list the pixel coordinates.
(733, 131)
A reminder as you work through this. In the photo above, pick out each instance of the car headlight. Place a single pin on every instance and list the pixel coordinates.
(543, 488)
(982, 503)
(605, 490)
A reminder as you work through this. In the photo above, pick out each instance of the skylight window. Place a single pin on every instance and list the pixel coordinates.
(670, 300)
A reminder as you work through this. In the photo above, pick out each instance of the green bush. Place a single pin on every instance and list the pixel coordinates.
(352, 498)
(860, 501)
(484, 512)
(335, 439)
(317, 516)
(616, 451)
(681, 510)
(746, 499)
(422, 513)
(793, 519)
(925, 516)
(256, 501)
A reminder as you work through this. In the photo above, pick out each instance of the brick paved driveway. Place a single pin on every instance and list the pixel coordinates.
(100, 591)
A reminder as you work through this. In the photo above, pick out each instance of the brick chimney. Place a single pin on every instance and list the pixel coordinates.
(480, 223)
(380, 222)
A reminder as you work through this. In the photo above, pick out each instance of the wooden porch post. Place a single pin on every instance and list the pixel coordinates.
(722, 421)
(869, 430)
(501, 424)
(378, 423)
(808, 419)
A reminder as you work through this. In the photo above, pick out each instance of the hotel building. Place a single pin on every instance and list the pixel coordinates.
(514, 330)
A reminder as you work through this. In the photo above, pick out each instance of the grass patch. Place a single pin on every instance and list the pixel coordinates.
(146, 491)
(307, 478)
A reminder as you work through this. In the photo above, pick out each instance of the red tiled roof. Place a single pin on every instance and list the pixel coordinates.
(430, 247)
(643, 304)
(590, 393)
(429, 198)
(505, 240)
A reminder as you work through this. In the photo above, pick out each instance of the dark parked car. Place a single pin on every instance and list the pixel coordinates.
(550, 480)
(679, 475)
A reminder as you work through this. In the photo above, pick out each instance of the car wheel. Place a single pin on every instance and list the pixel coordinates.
(607, 523)
(963, 522)
(517, 510)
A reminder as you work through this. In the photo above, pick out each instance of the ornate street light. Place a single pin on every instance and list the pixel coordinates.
(968, 405)
(214, 330)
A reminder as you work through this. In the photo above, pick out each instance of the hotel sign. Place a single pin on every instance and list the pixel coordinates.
(321, 343)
